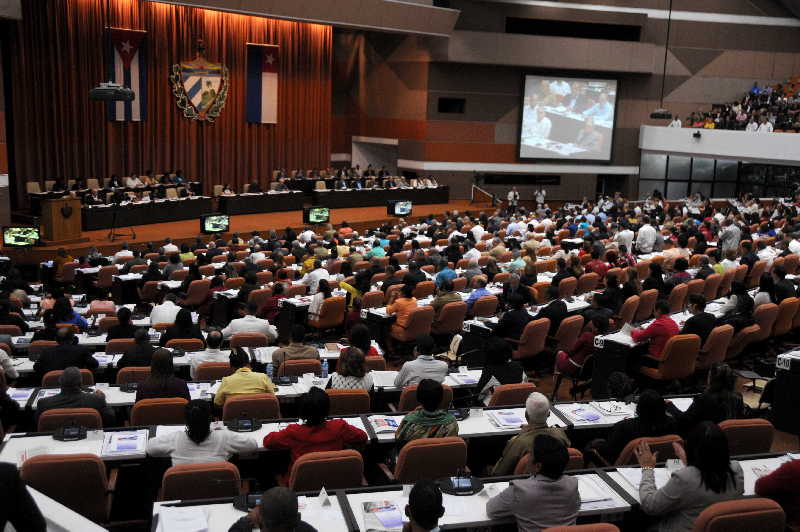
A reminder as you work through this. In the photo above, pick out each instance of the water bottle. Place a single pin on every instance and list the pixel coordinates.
(324, 369)
(270, 370)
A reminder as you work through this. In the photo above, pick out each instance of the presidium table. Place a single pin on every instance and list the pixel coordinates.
(372, 197)
(150, 212)
(261, 202)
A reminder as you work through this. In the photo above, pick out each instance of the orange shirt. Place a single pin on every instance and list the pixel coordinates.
(402, 307)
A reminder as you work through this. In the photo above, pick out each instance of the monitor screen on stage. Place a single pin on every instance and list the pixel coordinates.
(316, 215)
(20, 236)
(214, 223)
(399, 208)
(567, 118)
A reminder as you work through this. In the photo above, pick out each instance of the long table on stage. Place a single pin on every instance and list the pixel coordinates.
(342, 199)
(262, 202)
(102, 216)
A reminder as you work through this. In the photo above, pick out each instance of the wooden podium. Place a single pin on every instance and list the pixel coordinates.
(61, 219)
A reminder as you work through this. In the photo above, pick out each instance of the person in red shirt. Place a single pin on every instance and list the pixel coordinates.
(318, 433)
(596, 265)
(783, 485)
(658, 332)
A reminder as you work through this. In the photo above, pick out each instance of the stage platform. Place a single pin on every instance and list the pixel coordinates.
(188, 230)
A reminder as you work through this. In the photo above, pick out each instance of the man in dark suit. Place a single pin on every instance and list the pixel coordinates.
(701, 323)
(67, 353)
(784, 288)
(562, 272)
(748, 256)
(513, 322)
(123, 329)
(414, 275)
(72, 396)
(555, 311)
(514, 287)
(255, 187)
(139, 355)
(705, 270)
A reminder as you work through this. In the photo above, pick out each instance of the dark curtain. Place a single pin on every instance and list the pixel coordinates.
(58, 55)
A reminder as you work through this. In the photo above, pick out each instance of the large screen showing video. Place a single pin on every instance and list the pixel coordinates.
(567, 118)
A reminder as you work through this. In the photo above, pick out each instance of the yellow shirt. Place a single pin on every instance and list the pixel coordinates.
(308, 265)
(243, 381)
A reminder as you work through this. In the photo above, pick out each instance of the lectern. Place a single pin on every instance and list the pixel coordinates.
(61, 218)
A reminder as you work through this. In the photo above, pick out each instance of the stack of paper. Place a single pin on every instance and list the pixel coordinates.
(589, 491)
(612, 408)
(382, 516)
(583, 415)
(463, 378)
(21, 395)
(383, 379)
(384, 424)
(505, 418)
(125, 442)
(633, 476)
(44, 393)
(182, 519)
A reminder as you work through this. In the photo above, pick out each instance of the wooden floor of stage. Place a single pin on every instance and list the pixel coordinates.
(188, 230)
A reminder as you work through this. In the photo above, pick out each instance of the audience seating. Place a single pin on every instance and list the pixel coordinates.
(330, 469)
(373, 299)
(575, 462)
(532, 341)
(787, 311)
(765, 316)
(212, 371)
(52, 420)
(347, 402)
(451, 318)
(712, 286)
(420, 321)
(716, 347)
(647, 302)
(296, 368)
(741, 340)
(741, 515)
(162, 411)
(677, 360)
(661, 444)
(208, 480)
(511, 394)
(677, 298)
(256, 406)
(588, 282)
(187, 344)
(130, 374)
(748, 436)
(626, 314)
(567, 287)
(485, 307)
(331, 314)
(408, 398)
(430, 459)
(51, 378)
(375, 363)
(120, 345)
(249, 340)
(568, 331)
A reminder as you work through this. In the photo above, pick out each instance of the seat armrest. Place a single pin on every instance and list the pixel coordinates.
(385, 469)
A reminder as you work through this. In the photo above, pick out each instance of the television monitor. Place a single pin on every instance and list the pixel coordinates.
(399, 208)
(565, 118)
(21, 236)
(316, 215)
(214, 223)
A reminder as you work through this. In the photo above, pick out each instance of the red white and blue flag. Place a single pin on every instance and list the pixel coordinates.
(127, 65)
(262, 84)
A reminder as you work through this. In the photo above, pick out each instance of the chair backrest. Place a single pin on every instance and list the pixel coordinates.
(40, 345)
(187, 344)
(533, 339)
(568, 331)
(679, 356)
(249, 339)
(741, 515)
(716, 346)
(346, 402)
(86, 489)
(11, 330)
(485, 307)
(754, 277)
(331, 314)
(511, 394)
(254, 405)
(677, 298)
(695, 286)
(575, 462)
(765, 316)
(200, 481)
(725, 283)
(136, 374)
(451, 318)
(408, 398)
(660, 444)
(329, 469)
(430, 459)
(377, 363)
(106, 323)
(197, 292)
(742, 339)
(298, 367)
(459, 284)
(373, 299)
(588, 282)
(424, 289)
(420, 320)
(567, 287)
(748, 436)
(161, 411)
(120, 345)
(212, 371)
(105, 278)
(51, 378)
(52, 420)
(627, 313)
(711, 287)
(647, 302)
(149, 291)
(787, 310)
(740, 272)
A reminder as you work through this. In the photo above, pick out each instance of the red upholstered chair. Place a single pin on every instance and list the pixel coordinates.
(208, 480)
(372, 299)
(567, 287)
(765, 317)
(451, 318)
(716, 347)
(430, 459)
(660, 444)
(119, 345)
(485, 307)
(52, 420)
(742, 340)
(189, 345)
(627, 313)
(197, 293)
(787, 310)
(249, 340)
(375, 363)
(424, 289)
(711, 288)
(647, 302)
(748, 436)
(51, 378)
(511, 394)
(420, 321)
(678, 359)
(255, 405)
(346, 402)
(331, 314)
(575, 462)
(588, 282)
(136, 374)
(532, 341)
(330, 469)
(408, 398)
(568, 331)
(212, 371)
(11, 330)
(741, 515)
(677, 298)
(162, 411)
(299, 367)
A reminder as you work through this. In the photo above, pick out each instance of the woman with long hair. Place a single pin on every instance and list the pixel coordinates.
(709, 476)
(352, 373)
(198, 443)
(656, 279)
(766, 291)
(323, 293)
(361, 338)
(631, 287)
(182, 328)
(162, 381)
(63, 313)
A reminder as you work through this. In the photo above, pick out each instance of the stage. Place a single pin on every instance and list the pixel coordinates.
(187, 230)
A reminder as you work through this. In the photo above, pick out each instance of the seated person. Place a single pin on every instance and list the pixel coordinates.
(198, 443)
(243, 380)
(537, 410)
(183, 328)
(352, 373)
(73, 396)
(7, 317)
(212, 353)
(701, 323)
(657, 333)
(19, 509)
(424, 366)
(479, 292)
(680, 275)
(570, 363)
(555, 311)
(708, 476)
(498, 369)
(783, 486)
(62, 309)
(278, 511)
(67, 353)
(162, 381)
(296, 350)
(514, 320)
(317, 433)
(515, 286)
(651, 420)
(547, 498)
(428, 420)
(250, 322)
(140, 354)
(123, 329)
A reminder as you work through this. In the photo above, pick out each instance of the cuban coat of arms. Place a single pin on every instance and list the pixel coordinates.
(200, 87)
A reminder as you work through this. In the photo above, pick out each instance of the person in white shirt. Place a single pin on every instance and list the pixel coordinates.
(477, 232)
(257, 254)
(312, 278)
(766, 253)
(794, 245)
(472, 253)
(646, 238)
(540, 126)
(676, 122)
(307, 235)
(560, 87)
(540, 196)
(165, 312)
(250, 323)
(212, 353)
(323, 293)
(752, 125)
(624, 238)
(424, 366)
(122, 253)
(199, 443)
(765, 126)
(133, 181)
(169, 247)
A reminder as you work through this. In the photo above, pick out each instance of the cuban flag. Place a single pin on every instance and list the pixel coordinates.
(262, 84)
(127, 65)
